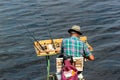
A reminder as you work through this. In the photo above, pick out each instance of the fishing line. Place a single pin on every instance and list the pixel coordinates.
(51, 39)
(32, 35)
(49, 32)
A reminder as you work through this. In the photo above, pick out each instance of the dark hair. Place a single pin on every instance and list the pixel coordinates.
(68, 57)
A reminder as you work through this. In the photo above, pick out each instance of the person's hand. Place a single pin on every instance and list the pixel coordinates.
(90, 57)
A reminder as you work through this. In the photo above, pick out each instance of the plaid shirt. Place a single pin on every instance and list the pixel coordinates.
(74, 47)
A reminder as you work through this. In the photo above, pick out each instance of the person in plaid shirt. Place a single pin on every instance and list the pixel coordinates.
(73, 46)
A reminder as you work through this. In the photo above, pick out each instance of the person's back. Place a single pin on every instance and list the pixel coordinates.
(73, 46)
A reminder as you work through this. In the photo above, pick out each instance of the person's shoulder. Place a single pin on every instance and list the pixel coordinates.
(80, 42)
(65, 39)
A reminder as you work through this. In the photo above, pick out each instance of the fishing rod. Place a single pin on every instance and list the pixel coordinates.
(45, 20)
(51, 39)
(32, 35)
(47, 57)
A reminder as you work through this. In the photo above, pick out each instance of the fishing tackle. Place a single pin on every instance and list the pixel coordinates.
(32, 35)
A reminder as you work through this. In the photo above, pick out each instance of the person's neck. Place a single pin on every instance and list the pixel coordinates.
(75, 36)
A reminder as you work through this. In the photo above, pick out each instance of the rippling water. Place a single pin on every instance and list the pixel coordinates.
(99, 20)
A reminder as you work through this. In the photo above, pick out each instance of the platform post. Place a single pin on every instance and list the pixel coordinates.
(48, 66)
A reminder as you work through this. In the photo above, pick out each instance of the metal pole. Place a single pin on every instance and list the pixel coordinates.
(48, 66)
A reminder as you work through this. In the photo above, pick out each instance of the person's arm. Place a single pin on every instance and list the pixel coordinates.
(91, 57)
(87, 53)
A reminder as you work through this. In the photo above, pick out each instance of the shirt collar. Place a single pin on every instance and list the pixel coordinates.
(74, 37)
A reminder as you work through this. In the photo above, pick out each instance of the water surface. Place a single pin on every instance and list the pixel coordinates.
(99, 20)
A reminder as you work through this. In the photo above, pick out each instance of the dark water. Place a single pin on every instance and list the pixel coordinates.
(99, 20)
